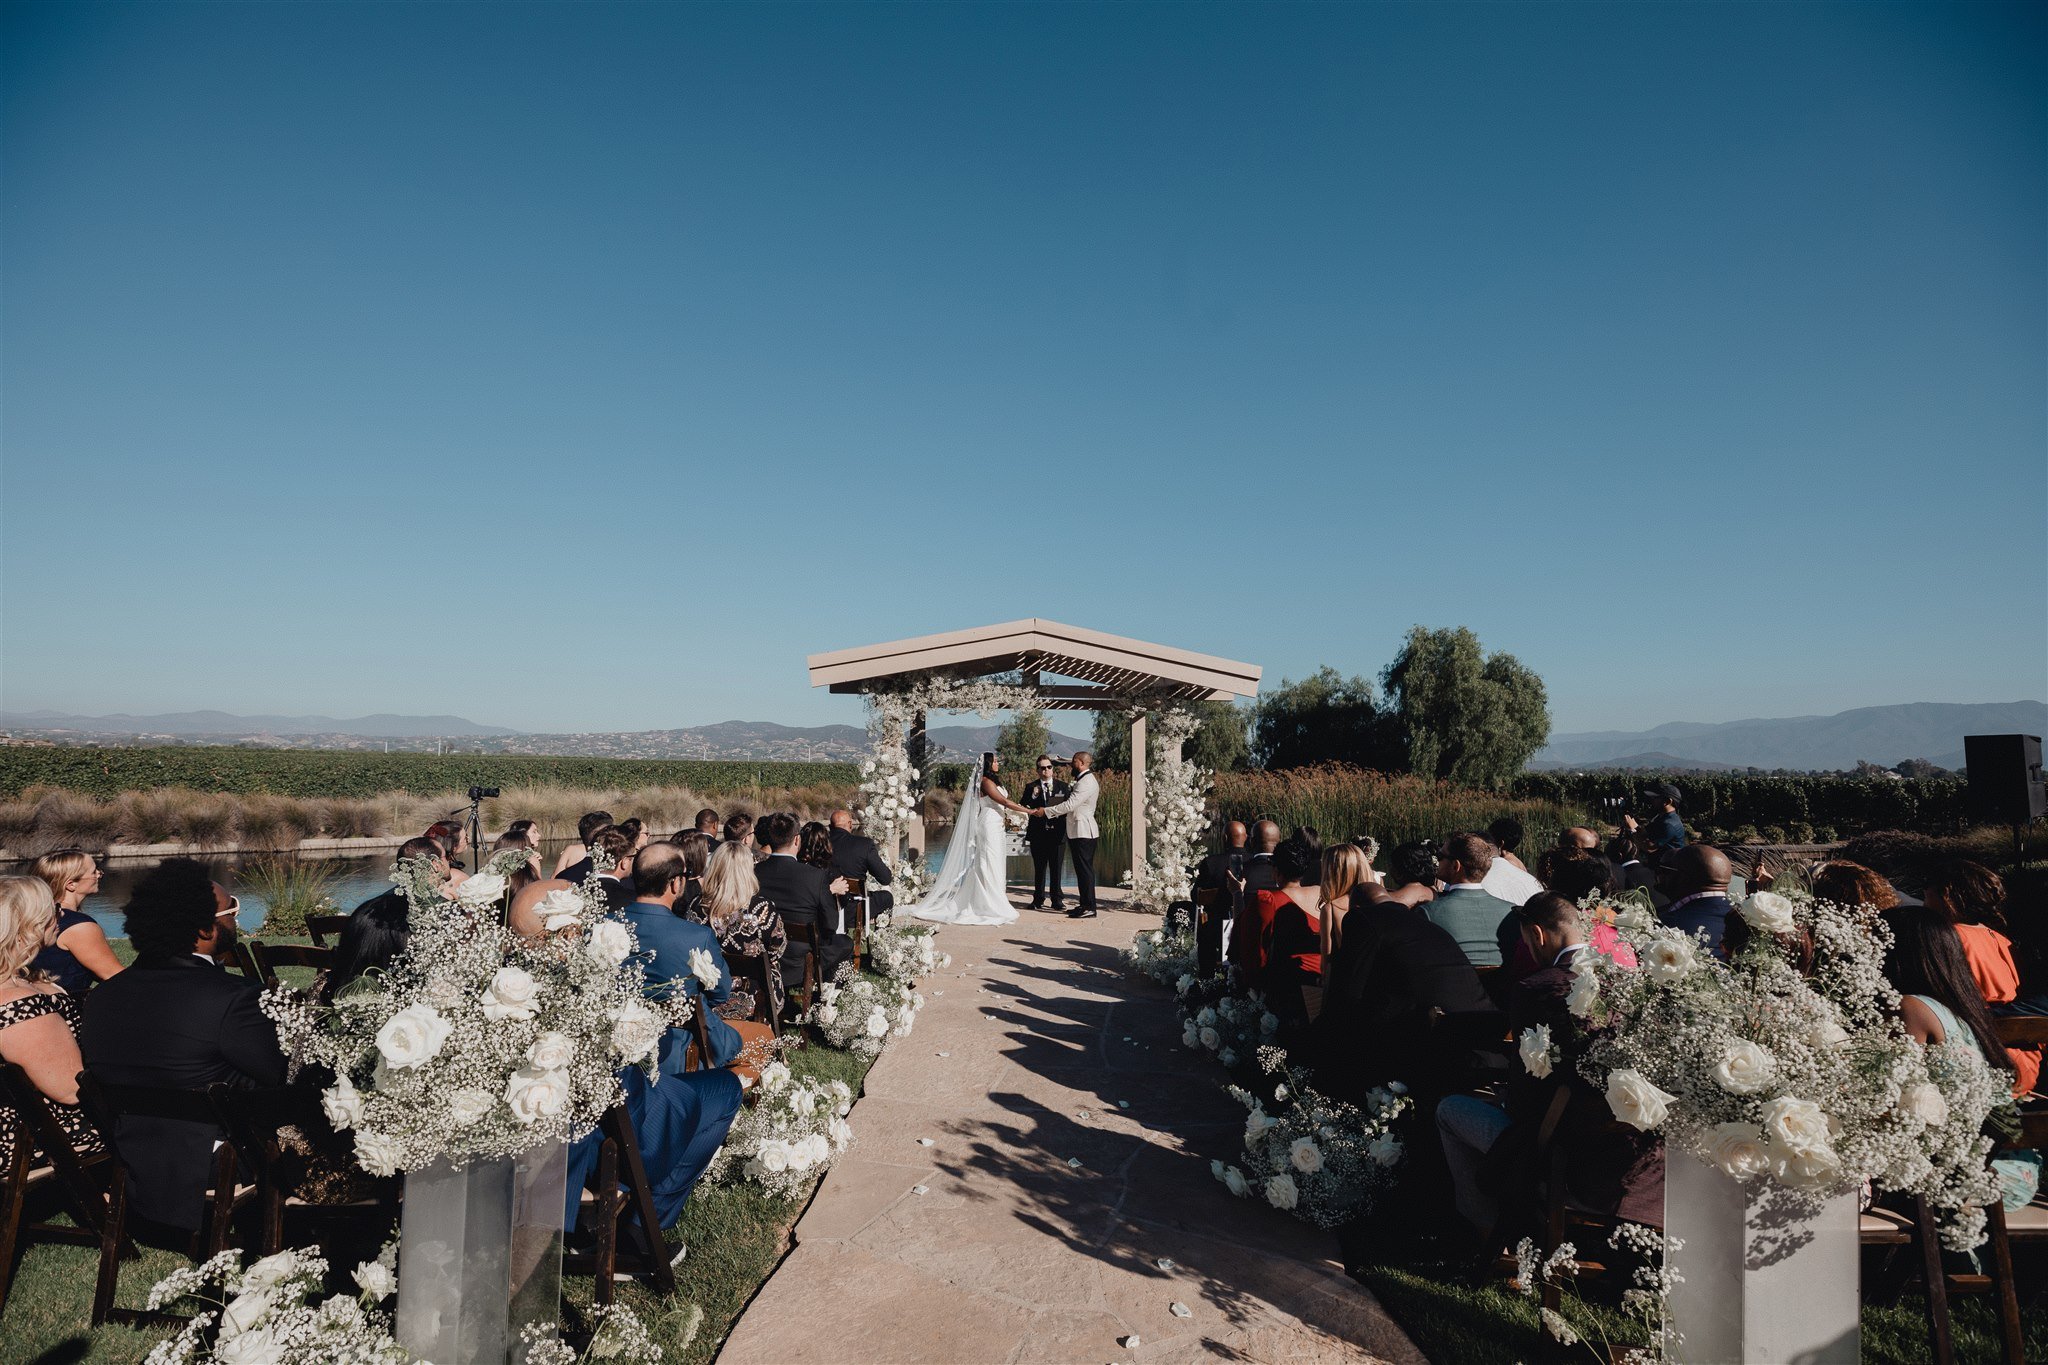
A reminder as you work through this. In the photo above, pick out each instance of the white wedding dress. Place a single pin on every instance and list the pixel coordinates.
(972, 887)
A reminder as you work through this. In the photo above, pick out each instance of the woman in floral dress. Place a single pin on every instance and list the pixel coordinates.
(38, 1020)
(748, 927)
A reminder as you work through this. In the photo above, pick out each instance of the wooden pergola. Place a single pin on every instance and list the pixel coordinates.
(1101, 672)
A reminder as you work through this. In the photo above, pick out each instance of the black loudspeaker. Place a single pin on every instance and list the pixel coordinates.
(2005, 786)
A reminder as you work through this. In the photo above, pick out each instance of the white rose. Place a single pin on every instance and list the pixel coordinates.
(610, 942)
(1768, 912)
(1269, 1023)
(826, 1015)
(559, 910)
(1745, 1067)
(1305, 1156)
(412, 1037)
(799, 1155)
(705, 969)
(1737, 1148)
(1228, 1057)
(510, 995)
(480, 890)
(819, 1148)
(270, 1272)
(1585, 987)
(1815, 1168)
(1795, 1125)
(551, 1051)
(1207, 1018)
(1668, 959)
(1184, 985)
(1634, 1100)
(1256, 1125)
(878, 1023)
(774, 1077)
(1190, 1036)
(534, 1094)
(1827, 1030)
(260, 1347)
(467, 1106)
(376, 1153)
(636, 1031)
(841, 1133)
(1211, 1039)
(1535, 1049)
(375, 1279)
(1923, 1101)
(1280, 1192)
(774, 1157)
(1234, 1181)
(1384, 1149)
(343, 1105)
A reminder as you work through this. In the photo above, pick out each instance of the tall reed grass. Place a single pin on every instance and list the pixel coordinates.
(291, 890)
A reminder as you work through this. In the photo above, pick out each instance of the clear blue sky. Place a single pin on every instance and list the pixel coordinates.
(586, 366)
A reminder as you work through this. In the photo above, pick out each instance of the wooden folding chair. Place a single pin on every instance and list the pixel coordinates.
(265, 958)
(700, 1035)
(855, 903)
(609, 1206)
(74, 1178)
(253, 1119)
(324, 927)
(1558, 1213)
(1212, 904)
(106, 1104)
(808, 935)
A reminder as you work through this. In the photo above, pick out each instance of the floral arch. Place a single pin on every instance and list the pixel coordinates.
(1006, 667)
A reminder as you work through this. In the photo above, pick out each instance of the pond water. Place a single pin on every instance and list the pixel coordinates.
(360, 877)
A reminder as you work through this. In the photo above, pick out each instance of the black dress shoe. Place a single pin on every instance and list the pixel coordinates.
(1081, 912)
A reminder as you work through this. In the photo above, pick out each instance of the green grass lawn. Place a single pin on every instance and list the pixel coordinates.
(736, 1236)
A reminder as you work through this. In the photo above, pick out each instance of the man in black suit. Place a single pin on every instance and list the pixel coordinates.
(1047, 836)
(1220, 873)
(855, 857)
(1258, 869)
(707, 825)
(804, 894)
(176, 1019)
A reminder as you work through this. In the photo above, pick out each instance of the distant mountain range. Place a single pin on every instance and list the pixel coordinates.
(757, 740)
(221, 723)
(1884, 735)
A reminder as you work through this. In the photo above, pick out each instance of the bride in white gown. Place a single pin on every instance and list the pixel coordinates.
(972, 889)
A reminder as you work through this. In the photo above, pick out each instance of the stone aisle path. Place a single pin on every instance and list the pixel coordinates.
(1032, 1046)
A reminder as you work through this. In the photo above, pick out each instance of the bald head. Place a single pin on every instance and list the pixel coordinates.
(843, 820)
(1234, 834)
(1699, 867)
(1578, 836)
(1265, 836)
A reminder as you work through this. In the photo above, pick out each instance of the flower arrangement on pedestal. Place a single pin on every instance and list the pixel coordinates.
(1786, 1062)
(475, 1043)
(903, 952)
(1176, 814)
(792, 1131)
(1320, 1159)
(1166, 957)
(861, 1015)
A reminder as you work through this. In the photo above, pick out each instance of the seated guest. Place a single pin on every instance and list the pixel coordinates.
(175, 1019)
(748, 928)
(573, 864)
(814, 846)
(1345, 868)
(38, 1020)
(528, 872)
(452, 838)
(856, 858)
(420, 850)
(1630, 874)
(1258, 868)
(739, 829)
(635, 830)
(1294, 867)
(81, 955)
(371, 940)
(612, 849)
(1214, 872)
(803, 894)
(1292, 953)
(707, 825)
(1391, 968)
(1464, 907)
(666, 942)
(1608, 1169)
(1698, 886)
(1578, 836)
(1217, 878)
(1506, 879)
(1574, 873)
(1847, 883)
(696, 861)
(1960, 888)
(1410, 881)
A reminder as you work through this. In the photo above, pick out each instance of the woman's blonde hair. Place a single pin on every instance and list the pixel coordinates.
(26, 910)
(1344, 867)
(61, 868)
(730, 885)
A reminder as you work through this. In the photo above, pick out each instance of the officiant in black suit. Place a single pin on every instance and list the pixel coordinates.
(1047, 837)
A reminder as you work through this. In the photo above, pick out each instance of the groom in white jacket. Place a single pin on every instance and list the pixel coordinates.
(1079, 808)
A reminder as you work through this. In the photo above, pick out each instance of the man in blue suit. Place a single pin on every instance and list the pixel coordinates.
(666, 942)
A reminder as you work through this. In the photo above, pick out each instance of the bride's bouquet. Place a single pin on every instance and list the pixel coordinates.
(475, 1044)
(1786, 1063)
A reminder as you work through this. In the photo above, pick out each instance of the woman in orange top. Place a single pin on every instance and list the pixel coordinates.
(1967, 894)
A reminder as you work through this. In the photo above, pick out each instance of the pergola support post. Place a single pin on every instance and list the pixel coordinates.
(1141, 758)
(913, 829)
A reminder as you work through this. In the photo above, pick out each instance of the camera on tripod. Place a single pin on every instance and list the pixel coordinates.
(479, 793)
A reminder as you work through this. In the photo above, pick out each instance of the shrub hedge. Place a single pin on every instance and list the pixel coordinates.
(1798, 808)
